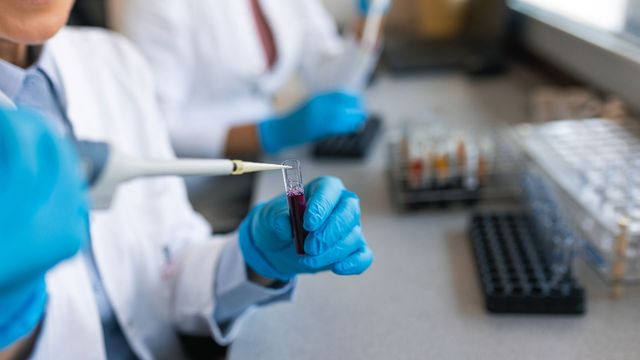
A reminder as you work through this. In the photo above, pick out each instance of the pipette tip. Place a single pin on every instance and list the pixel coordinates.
(243, 167)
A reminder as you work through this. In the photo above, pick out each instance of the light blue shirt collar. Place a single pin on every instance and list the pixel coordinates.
(12, 77)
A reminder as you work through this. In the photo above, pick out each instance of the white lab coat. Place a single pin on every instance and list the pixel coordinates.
(211, 64)
(110, 97)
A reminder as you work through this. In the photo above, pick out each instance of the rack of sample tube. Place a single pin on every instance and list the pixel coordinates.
(442, 167)
(593, 167)
(558, 240)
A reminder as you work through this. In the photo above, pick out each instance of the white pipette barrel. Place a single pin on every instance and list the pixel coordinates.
(186, 167)
(367, 55)
(120, 168)
(372, 25)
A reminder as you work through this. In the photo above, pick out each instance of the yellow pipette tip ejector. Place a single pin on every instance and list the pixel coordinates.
(242, 167)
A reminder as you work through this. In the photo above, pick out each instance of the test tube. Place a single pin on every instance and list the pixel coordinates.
(442, 168)
(471, 168)
(461, 156)
(416, 166)
(427, 173)
(297, 203)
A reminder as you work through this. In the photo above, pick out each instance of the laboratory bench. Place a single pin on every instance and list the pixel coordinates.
(421, 298)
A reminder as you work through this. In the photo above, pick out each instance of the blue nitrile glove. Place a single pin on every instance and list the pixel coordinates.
(363, 6)
(43, 216)
(335, 241)
(324, 115)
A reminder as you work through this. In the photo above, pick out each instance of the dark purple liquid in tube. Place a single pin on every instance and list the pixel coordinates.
(297, 207)
(294, 189)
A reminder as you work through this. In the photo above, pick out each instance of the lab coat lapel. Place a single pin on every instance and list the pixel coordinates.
(100, 109)
(71, 311)
(74, 74)
(241, 47)
(288, 40)
(87, 103)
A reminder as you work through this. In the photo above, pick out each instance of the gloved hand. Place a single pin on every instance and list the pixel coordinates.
(43, 216)
(324, 115)
(335, 241)
(364, 5)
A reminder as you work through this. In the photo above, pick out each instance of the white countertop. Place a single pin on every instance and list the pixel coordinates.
(421, 298)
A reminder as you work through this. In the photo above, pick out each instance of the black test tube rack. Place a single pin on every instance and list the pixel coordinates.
(352, 146)
(514, 272)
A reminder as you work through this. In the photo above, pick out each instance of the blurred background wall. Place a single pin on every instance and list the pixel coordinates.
(342, 10)
(93, 11)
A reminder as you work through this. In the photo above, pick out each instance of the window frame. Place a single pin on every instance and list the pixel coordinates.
(607, 60)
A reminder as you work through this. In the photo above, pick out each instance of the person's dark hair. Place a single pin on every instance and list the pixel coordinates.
(89, 13)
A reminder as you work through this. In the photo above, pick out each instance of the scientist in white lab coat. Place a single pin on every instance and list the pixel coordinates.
(223, 62)
(151, 268)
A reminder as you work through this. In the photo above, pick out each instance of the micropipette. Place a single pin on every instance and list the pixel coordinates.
(368, 43)
(106, 168)
(351, 72)
(372, 25)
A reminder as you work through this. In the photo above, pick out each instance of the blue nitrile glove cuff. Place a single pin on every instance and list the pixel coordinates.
(323, 115)
(363, 6)
(22, 309)
(252, 255)
(272, 135)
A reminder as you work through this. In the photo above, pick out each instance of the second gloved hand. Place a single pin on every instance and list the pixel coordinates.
(43, 213)
(333, 113)
(335, 241)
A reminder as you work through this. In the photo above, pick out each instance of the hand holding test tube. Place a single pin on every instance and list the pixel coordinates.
(334, 242)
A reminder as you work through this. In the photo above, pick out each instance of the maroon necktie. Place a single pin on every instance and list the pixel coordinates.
(266, 36)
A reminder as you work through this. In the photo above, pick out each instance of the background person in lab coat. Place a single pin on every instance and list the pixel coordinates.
(219, 66)
(221, 63)
(151, 268)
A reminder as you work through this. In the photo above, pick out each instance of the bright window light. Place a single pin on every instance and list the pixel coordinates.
(605, 14)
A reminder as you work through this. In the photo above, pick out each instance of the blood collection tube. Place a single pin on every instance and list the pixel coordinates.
(415, 173)
(471, 181)
(483, 168)
(454, 171)
(433, 162)
(297, 202)
(415, 164)
(427, 173)
(461, 156)
(484, 161)
(442, 169)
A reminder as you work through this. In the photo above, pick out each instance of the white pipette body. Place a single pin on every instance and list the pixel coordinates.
(120, 168)
(372, 25)
(367, 52)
